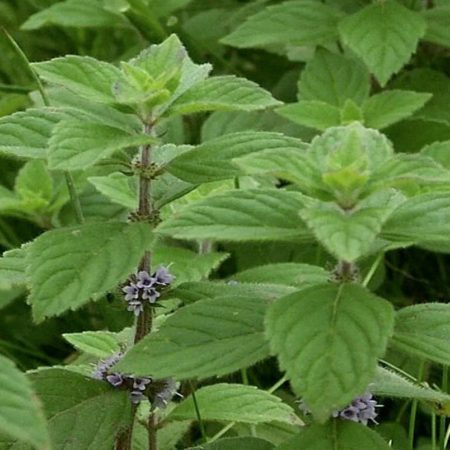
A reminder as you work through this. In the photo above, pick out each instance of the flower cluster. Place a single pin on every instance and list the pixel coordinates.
(362, 409)
(145, 287)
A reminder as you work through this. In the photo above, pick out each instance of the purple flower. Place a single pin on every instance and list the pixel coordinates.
(163, 397)
(350, 413)
(150, 294)
(101, 369)
(115, 379)
(136, 396)
(136, 306)
(144, 280)
(131, 292)
(141, 383)
(162, 276)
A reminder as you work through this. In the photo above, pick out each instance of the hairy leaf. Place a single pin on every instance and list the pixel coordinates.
(328, 339)
(116, 186)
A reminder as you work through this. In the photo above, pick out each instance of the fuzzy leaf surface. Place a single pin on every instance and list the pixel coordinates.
(240, 215)
(328, 339)
(384, 35)
(69, 266)
(235, 402)
(210, 337)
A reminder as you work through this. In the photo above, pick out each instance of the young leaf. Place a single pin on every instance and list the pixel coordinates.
(76, 145)
(211, 160)
(74, 13)
(328, 339)
(210, 337)
(337, 435)
(240, 215)
(312, 113)
(424, 331)
(235, 402)
(34, 182)
(348, 235)
(97, 343)
(291, 22)
(21, 415)
(384, 35)
(81, 412)
(85, 76)
(237, 443)
(388, 107)
(223, 93)
(25, 134)
(437, 20)
(69, 266)
(333, 79)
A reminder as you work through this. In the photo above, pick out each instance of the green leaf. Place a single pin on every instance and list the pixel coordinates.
(168, 435)
(85, 76)
(34, 182)
(312, 113)
(439, 151)
(424, 331)
(289, 274)
(21, 416)
(26, 134)
(235, 403)
(76, 145)
(117, 187)
(328, 339)
(74, 13)
(81, 412)
(211, 160)
(69, 266)
(97, 343)
(210, 337)
(350, 234)
(389, 107)
(333, 79)
(437, 20)
(292, 22)
(239, 215)
(237, 443)
(384, 35)
(424, 218)
(12, 269)
(337, 435)
(223, 93)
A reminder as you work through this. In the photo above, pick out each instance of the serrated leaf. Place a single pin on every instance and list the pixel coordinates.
(328, 339)
(337, 435)
(69, 266)
(334, 78)
(25, 134)
(12, 269)
(85, 76)
(384, 35)
(98, 343)
(424, 331)
(211, 160)
(237, 443)
(81, 412)
(209, 337)
(240, 215)
(297, 22)
(76, 145)
(21, 415)
(289, 274)
(235, 402)
(223, 93)
(74, 13)
(350, 234)
(437, 20)
(117, 187)
(388, 107)
(312, 113)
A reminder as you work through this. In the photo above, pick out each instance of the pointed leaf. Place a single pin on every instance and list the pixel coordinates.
(251, 215)
(210, 337)
(223, 93)
(384, 35)
(388, 107)
(69, 266)
(21, 415)
(211, 160)
(297, 22)
(328, 339)
(235, 402)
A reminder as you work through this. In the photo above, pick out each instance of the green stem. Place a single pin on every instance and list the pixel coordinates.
(433, 431)
(412, 417)
(74, 198)
(197, 412)
(373, 269)
(442, 421)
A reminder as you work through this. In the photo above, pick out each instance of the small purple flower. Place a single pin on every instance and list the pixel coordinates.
(163, 397)
(136, 306)
(141, 383)
(131, 292)
(150, 294)
(101, 369)
(136, 396)
(144, 280)
(350, 413)
(162, 276)
(115, 379)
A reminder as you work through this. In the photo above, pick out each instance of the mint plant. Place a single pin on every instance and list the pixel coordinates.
(228, 270)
